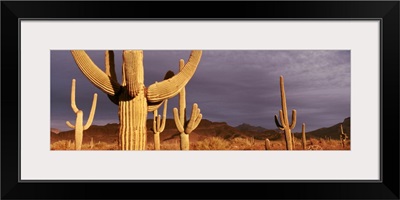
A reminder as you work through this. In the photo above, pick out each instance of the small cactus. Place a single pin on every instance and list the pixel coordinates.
(284, 125)
(343, 136)
(158, 125)
(91, 144)
(79, 127)
(303, 136)
(293, 141)
(267, 144)
(185, 128)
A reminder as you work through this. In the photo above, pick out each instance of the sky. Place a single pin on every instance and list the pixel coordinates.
(233, 86)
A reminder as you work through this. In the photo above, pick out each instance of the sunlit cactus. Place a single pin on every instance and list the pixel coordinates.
(284, 125)
(133, 98)
(343, 136)
(267, 144)
(159, 125)
(79, 127)
(293, 141)
(303, 136)
(184, 127)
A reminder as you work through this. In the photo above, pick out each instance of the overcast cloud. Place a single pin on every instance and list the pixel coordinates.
(234, 86)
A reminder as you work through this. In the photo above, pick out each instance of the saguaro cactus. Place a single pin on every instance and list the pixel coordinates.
(158, 125)
(303, 136)
(343, 136)
(185, 128)
(132, 96)
(284, 125)
(293, 141)
(79, 127)
(267, 144)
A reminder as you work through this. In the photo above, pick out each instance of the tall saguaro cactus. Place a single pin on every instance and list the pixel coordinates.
(133, 98)
(185, 128)
(343, 136)
(158, 125)
(79, 127)
(303, 136)
(284, 125)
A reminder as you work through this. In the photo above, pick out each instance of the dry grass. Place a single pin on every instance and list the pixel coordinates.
(211, 143)
(70, 145)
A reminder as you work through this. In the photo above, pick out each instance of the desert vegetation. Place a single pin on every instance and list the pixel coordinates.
(135, 100)
(213, 143)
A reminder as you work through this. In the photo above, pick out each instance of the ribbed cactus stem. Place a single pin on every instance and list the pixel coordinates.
(158, 125)
(293, 141)
(180, 118)
(303, 136)
(267, 144)
(132, 97)
(284, 120)
(79, 127)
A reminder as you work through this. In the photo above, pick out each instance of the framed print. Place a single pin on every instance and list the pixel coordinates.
(199, 99)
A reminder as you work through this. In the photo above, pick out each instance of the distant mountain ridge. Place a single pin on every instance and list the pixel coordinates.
(332, 131)
(248, 127)
(109, 133)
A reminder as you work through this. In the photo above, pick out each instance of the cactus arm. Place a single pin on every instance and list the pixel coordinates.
(134, 72)
(164, 120)
(168, 88)
(182, 96)
(110, 71)
(178, 123)
(100, 79)
(151, 106)
(73, 103)
(92, 111)
(282, 117)
(194, 119)
(110, 65)
(155, 115)
(294, 118)
(277, 123)
(158, 123)
(182, 106)
(70, 125)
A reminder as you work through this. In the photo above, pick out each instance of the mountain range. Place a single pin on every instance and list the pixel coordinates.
(109, 133)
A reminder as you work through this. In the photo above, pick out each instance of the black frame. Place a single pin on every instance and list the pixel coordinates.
(386, 11)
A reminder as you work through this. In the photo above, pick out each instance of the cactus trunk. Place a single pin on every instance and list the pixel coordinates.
(184, 141)
(303, 136)
(157, 141)
(288, 138)
(132, 117)
(79, 130)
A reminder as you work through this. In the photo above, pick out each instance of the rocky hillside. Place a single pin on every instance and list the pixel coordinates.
(109, 133)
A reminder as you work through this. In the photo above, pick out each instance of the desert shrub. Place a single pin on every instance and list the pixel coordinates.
(63, 145)
(212, 143)
(240, 143)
